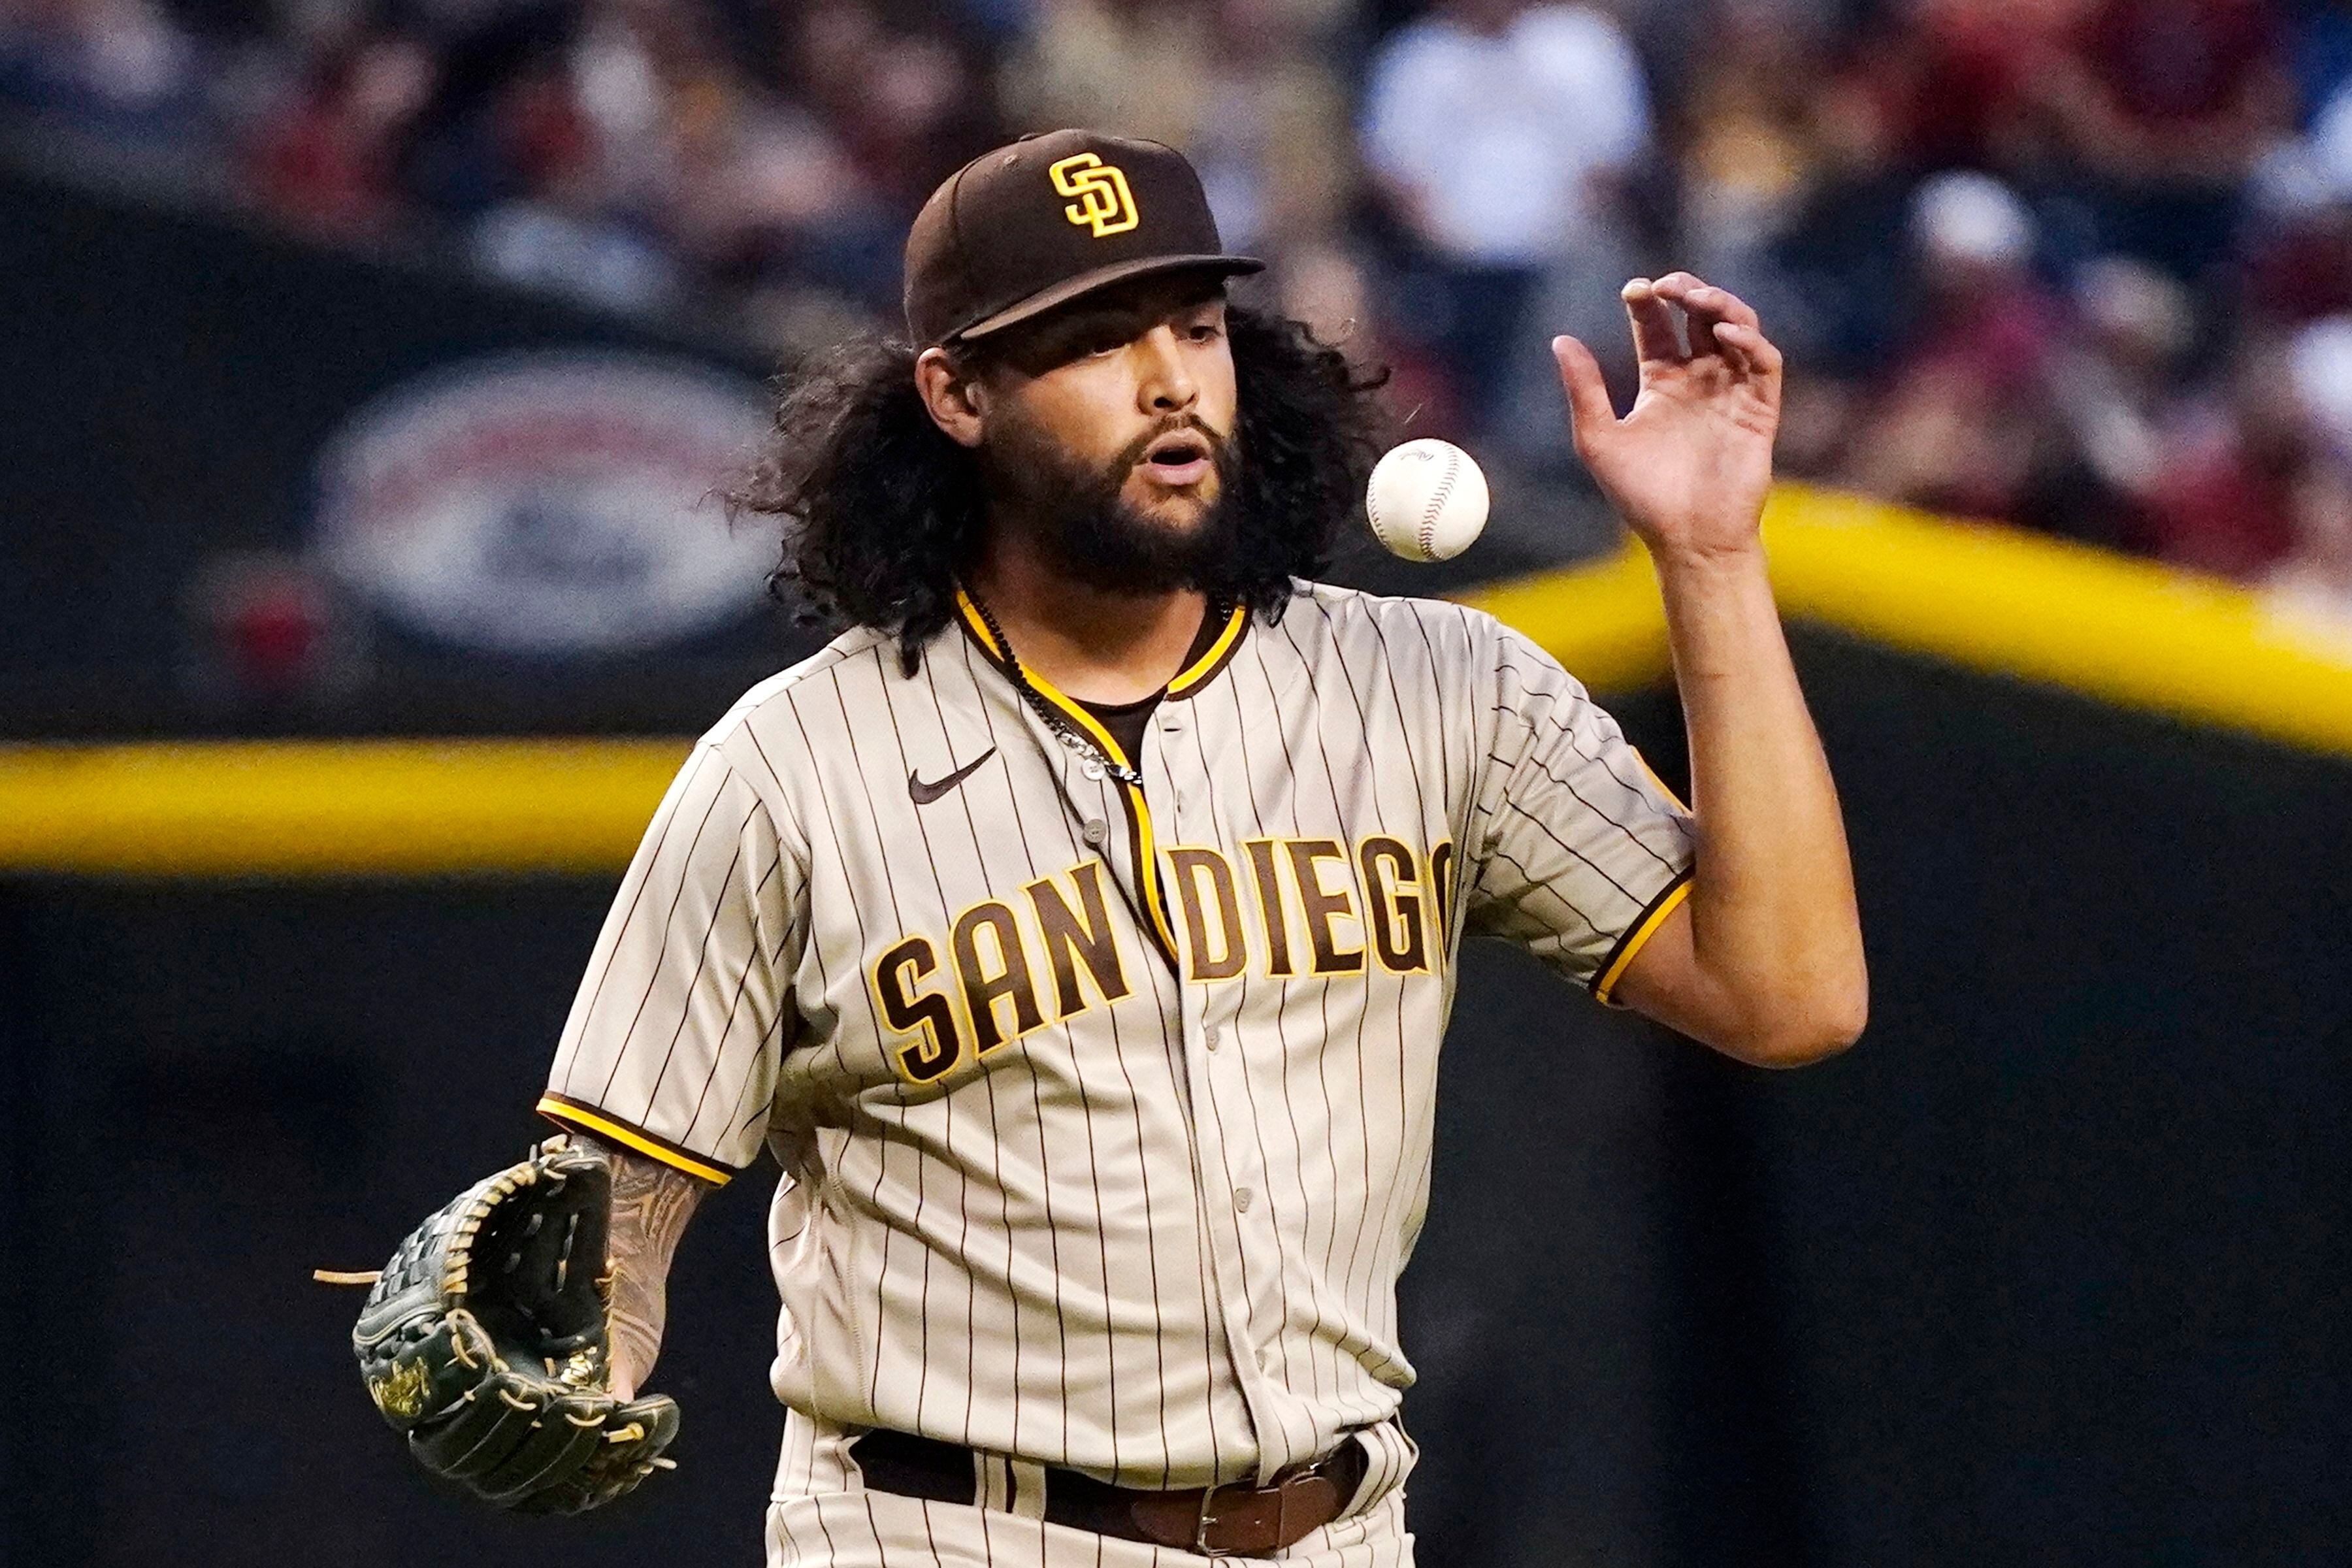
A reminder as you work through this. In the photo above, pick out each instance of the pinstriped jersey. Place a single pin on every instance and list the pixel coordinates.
(1103, 1110)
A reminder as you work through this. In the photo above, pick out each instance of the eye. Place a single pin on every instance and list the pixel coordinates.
(1205, 332)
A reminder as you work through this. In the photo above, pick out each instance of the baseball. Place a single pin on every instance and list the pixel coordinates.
(1427, 501)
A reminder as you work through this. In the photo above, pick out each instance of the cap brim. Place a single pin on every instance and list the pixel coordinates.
(1085, 283)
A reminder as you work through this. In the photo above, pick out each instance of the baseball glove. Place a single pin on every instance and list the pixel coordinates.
(484, 1342)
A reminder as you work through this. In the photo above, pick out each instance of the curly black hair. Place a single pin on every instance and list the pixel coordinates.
(882, 514)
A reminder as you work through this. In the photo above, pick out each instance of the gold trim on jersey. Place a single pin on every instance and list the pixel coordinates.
(1188, 680)
(969, 613)
(1657, 783)
(571, 1113)
(1076, 712)
(1203, 670)
(1633, 942)
(1139, 812)
(1147, 853)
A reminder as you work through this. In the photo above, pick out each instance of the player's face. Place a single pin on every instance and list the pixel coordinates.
(1133, 389)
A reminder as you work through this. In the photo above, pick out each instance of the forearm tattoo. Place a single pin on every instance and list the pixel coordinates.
(651, 1204)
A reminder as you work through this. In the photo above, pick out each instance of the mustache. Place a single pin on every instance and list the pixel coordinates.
(1216, 441)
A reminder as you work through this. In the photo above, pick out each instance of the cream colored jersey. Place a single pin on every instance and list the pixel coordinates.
(1104, 1111)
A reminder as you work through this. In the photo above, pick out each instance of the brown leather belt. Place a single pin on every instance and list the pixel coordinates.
(1232, 1520)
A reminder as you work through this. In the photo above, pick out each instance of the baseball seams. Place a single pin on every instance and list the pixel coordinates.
(1436, 507)
(1106, 1110)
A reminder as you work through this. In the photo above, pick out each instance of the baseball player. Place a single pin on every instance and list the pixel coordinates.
(1078, 928)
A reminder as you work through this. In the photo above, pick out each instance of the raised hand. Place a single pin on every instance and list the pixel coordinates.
(1689, 466)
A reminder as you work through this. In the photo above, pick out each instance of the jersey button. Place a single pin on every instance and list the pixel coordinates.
(1096, 831)
(1243, 1198)
(1212, 1038)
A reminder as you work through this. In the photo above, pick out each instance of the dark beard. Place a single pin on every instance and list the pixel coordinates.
(1086, 531)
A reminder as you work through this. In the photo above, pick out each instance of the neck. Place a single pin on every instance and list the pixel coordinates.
(1094, 646)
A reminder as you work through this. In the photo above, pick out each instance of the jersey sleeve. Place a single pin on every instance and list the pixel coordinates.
(672, 1046)
(1575, 849)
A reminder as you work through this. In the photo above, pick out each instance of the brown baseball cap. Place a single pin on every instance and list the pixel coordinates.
(1018, 231)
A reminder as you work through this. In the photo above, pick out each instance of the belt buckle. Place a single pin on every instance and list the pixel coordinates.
(1208, 1519)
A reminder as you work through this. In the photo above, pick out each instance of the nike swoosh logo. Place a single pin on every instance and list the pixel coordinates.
(924, 794)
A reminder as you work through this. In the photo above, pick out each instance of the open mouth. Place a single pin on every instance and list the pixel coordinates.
(1179, 457)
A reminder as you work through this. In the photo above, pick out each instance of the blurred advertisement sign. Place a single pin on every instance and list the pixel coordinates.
(547, 503)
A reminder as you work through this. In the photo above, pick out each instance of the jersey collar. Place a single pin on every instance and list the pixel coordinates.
(1211, 662)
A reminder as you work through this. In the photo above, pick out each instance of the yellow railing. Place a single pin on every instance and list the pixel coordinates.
(1992, 599)
(306, 808)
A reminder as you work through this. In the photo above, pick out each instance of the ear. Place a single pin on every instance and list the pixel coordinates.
(955, 398)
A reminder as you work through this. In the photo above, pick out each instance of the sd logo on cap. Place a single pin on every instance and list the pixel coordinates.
(1104, 204)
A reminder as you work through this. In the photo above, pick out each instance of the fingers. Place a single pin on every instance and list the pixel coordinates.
(1655, 339)
(1719, 323)
(1703, 301)
(1749, 350)
(1588, 394)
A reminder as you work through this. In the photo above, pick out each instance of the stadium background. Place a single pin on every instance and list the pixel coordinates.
(367, 365)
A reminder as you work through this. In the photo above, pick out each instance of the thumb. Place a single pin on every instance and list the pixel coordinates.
(1588, 394)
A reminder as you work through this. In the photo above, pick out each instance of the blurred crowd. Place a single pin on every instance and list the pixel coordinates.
(2084, 266)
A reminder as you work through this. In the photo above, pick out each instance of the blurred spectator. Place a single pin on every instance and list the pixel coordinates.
(2162, 108)
(587, 135)
(2313, 587)
(2225, 499)
(1752, 139)
(896, 88)
(1242, 87)
(1497, 132)
(1496, 179)
(2298, 239)
(471, 145)
(121, 66)
(1963, 417)
(2322, 51)
(1136, 65)
(324, 160)
(2115, 386)
(1951, 83)
(898, 96)
(1274, 149)
(753, 184)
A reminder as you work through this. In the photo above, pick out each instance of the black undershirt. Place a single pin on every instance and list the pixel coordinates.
(1126, 721)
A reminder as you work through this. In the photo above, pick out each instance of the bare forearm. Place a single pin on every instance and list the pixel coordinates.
(1774, 932)
(1764, 962)
(651, 1205)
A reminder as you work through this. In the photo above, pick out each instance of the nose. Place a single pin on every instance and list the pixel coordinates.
(1163, 381)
